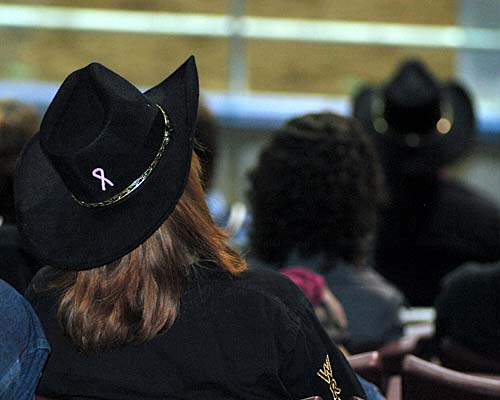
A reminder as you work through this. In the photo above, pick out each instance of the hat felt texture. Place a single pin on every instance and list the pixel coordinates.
(412, 103)
(100, 137)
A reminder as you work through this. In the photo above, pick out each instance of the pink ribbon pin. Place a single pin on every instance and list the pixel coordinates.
(99, 174)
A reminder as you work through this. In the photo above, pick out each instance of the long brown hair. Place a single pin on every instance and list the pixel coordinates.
(136, 297)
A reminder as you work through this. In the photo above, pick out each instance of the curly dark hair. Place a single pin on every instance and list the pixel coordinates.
(317, 188)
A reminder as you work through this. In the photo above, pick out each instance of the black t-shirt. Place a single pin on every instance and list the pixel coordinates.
(431, 228)
(254, 336)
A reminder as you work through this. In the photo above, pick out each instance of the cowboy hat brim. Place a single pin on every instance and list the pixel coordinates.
(438, 150)
(62, 233)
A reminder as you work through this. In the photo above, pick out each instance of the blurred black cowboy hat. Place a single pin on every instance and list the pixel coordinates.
(419, 123)
(107, 167)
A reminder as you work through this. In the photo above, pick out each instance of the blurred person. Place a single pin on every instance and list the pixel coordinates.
(207, 137)
(18, 123)
(232, 217)
(434, 223)
(23, 346)
(314, 196)
(327, 308)
(143, 297)
(329, 312)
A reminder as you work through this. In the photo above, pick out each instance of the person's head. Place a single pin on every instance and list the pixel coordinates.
(18, 123)
(207, 132)
(316, 189)
(419, 122)
(109, 192)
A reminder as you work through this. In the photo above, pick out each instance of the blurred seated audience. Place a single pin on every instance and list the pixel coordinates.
(142, 296)
(314, 196)
(467, 309)
(23, 346)
(233, 217)
(421, 379)
(329, 312)
(18, 123)
(433, 223)
(326, 306)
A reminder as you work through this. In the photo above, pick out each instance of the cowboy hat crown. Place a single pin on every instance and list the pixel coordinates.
(107, 167)
(96, 123)
(412, 99)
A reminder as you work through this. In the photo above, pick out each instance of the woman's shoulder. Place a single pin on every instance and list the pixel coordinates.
(270, 282)
(17, 313)
(267, 284)
(8, 294)
(242, 302)
(254, 289)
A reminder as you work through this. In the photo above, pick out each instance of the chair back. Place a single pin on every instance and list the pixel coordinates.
(424, 380)
(369, 366)
(458, 357)
(393, 353)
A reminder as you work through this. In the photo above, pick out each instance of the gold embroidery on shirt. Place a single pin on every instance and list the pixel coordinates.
(326, 374)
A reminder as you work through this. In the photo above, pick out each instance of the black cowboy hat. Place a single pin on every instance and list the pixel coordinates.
(419, 123)
(107, 167)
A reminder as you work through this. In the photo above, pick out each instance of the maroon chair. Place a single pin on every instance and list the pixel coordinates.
(422, 379)
(458, 357)
(393, 389)
(393, 353)
(369, 366)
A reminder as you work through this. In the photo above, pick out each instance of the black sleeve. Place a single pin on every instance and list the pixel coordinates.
(316, 367)
(313, 366)
(309, 363)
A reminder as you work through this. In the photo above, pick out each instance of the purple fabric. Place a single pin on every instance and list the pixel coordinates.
(312, 284)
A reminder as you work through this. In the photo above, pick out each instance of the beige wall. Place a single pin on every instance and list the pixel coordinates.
(198, 6)
(272, 66)
(319, 68)
(142, 59)
(405, 11)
